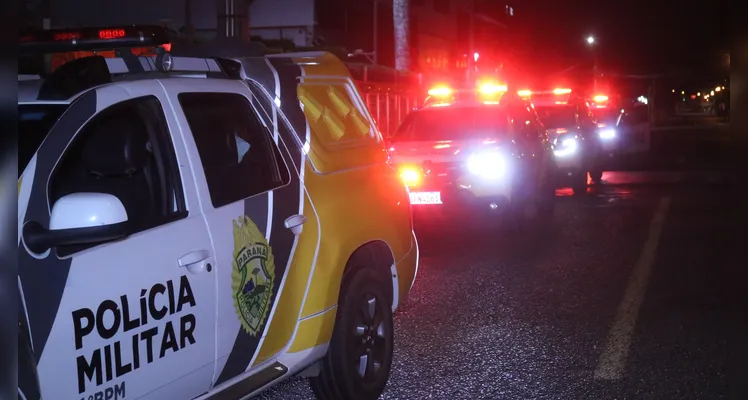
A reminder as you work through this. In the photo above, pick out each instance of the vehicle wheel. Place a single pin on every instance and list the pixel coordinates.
(579, 183)
(545, 199)
(514, 218)
(358, 361)
(596, 175)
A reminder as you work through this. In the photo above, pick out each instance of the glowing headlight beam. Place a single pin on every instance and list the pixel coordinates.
(607, 134)
(568, 147)
(491, 165)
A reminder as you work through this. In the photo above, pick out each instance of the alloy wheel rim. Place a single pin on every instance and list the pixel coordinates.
(369, 338)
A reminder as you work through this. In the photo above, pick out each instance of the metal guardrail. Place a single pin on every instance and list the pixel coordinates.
(389, 94)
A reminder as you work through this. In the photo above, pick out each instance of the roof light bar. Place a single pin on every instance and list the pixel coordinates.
(561, 91)
(102, 38)
(490, 88)
(440, 91)
(600, 98)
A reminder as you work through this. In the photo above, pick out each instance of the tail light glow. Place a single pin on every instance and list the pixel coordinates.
(561, 91)
(410, 176)
(524, 93)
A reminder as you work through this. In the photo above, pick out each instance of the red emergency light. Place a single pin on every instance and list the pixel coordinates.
(491, 88)
(440, 91)
(112, 33)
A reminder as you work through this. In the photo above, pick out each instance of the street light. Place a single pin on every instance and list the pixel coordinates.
(590, 39)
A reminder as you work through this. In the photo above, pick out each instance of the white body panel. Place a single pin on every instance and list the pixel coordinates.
(143, 274)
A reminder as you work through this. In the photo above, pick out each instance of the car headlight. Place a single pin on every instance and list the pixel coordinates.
(491, 164)
(607, 134)
(567, 147)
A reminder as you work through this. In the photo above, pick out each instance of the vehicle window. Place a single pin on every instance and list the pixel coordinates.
(237, 152)
(607, 115)
(455, 124)
(334, 115)
(557, 116)
(126, 151)
(34, 123)
(524, 123)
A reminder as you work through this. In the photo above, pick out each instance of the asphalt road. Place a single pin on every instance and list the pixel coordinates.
(638, 290)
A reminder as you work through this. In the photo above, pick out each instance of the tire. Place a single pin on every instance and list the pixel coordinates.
(545, 198)
(597, 176)
(513, 219)
(358, 329)
(579, 183)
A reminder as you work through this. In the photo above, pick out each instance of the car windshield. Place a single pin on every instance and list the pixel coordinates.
(456, 123)
(34, 123)
(608, 115)
(557, 116)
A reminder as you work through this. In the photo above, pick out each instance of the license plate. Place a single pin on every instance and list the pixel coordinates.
(425, 198)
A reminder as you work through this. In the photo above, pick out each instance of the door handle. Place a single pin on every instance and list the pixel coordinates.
(294, 223)
(193, 260)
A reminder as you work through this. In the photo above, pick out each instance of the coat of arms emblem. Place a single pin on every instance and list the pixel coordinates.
(252, 276)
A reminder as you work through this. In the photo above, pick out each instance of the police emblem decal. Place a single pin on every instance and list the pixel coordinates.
(252, 275)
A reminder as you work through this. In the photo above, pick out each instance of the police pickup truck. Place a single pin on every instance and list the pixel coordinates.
(191, 227)
(475, 153)
(577, 139)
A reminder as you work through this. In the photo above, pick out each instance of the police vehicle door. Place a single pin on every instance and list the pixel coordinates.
(125, 317)
(636, 127)
(249, 187)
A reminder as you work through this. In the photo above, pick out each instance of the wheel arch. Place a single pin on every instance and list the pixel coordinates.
(378, 255)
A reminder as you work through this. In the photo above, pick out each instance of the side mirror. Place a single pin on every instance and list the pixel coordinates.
(78, 218)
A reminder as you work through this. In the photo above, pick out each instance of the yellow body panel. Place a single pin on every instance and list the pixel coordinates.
(358, 198)
(282, 327)
(314, 331)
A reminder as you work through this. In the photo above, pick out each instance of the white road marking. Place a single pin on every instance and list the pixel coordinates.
(613, 359)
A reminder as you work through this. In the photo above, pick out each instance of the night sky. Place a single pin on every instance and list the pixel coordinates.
(634, 36)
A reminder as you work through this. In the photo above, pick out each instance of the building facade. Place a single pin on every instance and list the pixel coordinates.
(439, 31)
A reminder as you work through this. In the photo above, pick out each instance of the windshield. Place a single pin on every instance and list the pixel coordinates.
(34, 123)
(454, 124)
(607, 115)
(557, 116)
